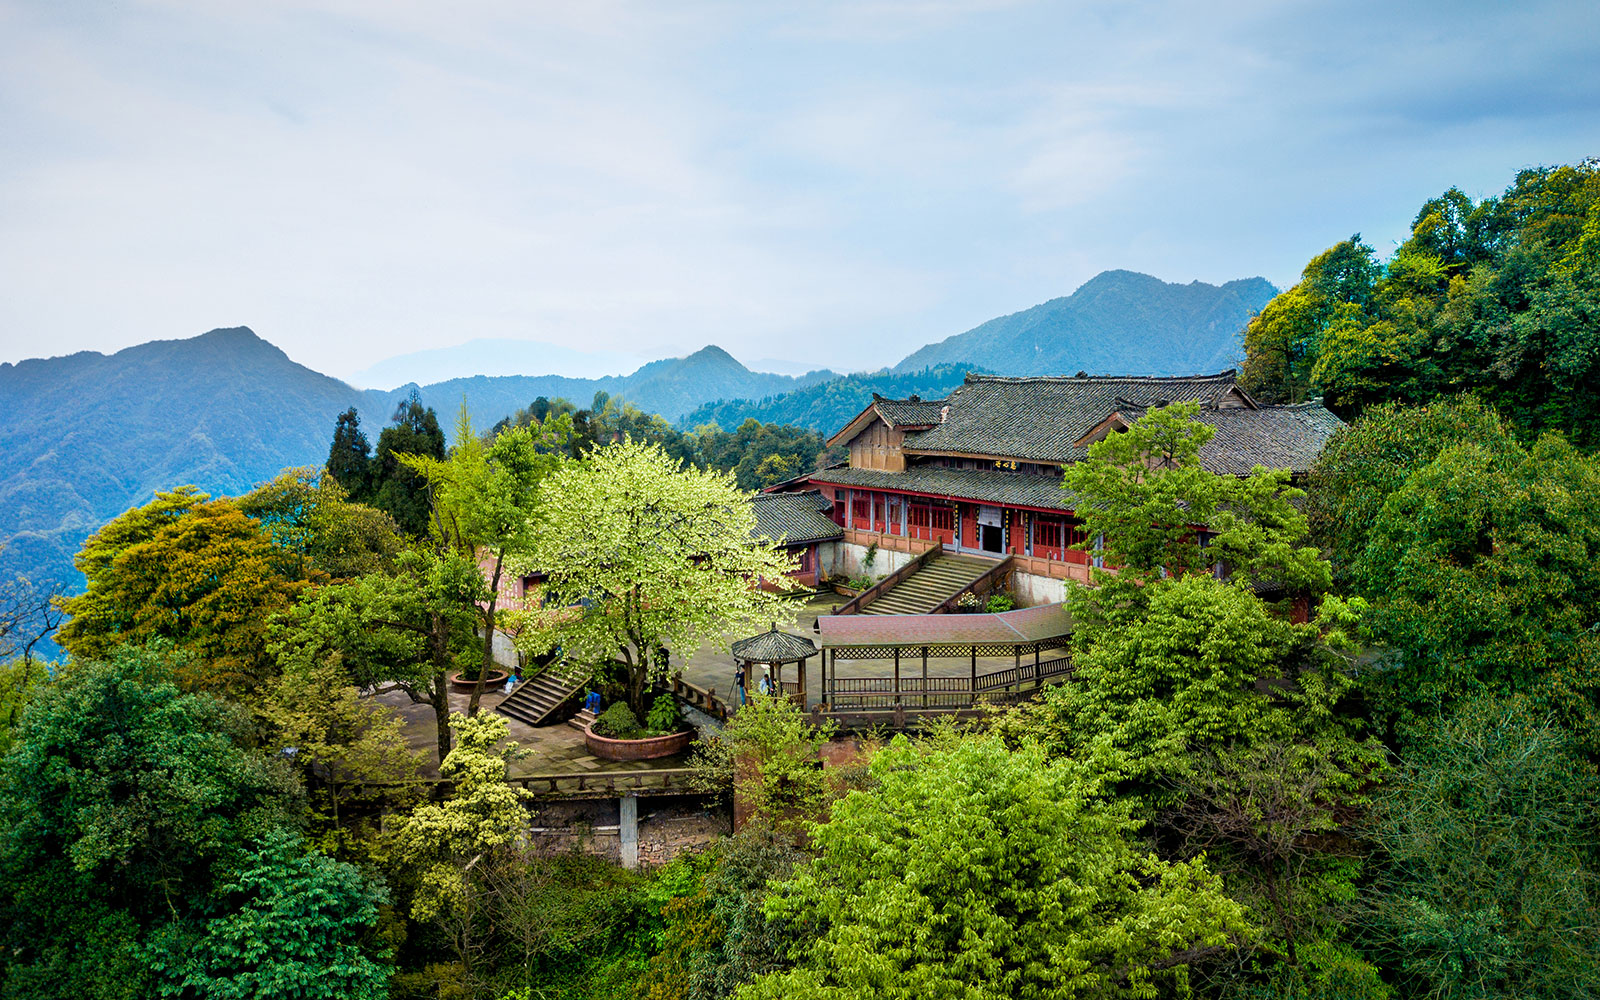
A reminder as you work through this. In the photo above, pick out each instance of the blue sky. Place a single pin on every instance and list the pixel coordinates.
(827, 184)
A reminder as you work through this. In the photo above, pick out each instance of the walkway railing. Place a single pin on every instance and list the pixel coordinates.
(571, 785)
(913, 694)
(705, 699)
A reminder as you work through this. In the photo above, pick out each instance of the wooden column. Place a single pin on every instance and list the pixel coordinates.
(1036, 679)
(1016, 652)
(897, 676)
(924, 676)
(973, 688)
(850, 509)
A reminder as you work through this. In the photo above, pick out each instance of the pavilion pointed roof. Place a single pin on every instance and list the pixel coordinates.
(774, 647)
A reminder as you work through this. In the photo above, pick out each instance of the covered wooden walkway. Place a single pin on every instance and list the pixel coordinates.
(893, 670)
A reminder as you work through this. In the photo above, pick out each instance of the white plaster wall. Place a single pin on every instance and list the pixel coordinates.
(851, 557)
(1032, 591)
(829, 559)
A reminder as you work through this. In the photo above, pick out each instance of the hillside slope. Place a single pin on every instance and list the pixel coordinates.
(85, 437)
(82, 438)
(1119, 322)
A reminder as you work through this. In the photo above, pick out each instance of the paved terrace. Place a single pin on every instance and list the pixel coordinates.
(557, 749)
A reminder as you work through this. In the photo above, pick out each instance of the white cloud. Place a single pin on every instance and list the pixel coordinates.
(362, 178)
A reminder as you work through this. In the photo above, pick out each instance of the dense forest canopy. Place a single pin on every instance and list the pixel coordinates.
(1500, 298)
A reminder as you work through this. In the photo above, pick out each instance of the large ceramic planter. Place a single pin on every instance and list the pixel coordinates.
(648, 748)
(495, 679)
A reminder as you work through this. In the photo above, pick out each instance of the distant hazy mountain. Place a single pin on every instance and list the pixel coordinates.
(1118, 322)
(671, 387)
(500, 357)
(830, 405)
(85, 437)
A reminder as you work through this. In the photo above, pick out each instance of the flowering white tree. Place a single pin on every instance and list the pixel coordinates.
(658, 556)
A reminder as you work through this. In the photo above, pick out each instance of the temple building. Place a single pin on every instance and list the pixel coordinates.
(801, 524)
(979, 471)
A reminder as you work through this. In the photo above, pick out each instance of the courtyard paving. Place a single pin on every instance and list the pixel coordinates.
(559, 748)
(556, 749)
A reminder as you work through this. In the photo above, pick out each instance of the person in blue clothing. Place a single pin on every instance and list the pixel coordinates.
(738, 684)
(591, 702)
(512, 681)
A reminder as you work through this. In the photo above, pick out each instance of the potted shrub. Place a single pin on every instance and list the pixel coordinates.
(618, 734)
(467, 679)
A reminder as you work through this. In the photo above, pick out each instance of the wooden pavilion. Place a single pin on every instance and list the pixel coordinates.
(772, 649)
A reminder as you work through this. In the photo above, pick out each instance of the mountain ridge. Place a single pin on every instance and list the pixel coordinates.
(1109, 323)
(85, 436)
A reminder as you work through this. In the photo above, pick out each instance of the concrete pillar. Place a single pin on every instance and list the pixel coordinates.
(628, 830)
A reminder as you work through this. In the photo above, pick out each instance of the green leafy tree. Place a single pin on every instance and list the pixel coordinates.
(1284, 341)
(768, 755)
(347, 750)
(191, 570)
(1483, 572)
(1489, 886)
(775, 468)
(309, 513)
(717, 937)
(483, 498)
(124, 804)
(288, 924)
(398, 489)
(1223, 724)
(1367, 461)
(480, 826)
(404, 629)
(973, 871)
(1500, 298)
(1147, 504)
(1204, 668)
(663, 557)
(350, 456)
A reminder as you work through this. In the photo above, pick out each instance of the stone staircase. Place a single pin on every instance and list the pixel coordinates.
(538, 698)
(940, 579)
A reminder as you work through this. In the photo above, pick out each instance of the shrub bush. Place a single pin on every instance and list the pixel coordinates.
(1000, 602)
(617, 722)
(664, 715)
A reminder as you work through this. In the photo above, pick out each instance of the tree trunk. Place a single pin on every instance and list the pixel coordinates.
(488, 636)
(638, 680)
(441, 712)
(439, 643)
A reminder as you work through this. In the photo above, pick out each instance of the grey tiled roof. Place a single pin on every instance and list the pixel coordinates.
(1038, 419)
(1004, 488)
(903, 412)
(774, 647)
(795, 518)
(1278, 437)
